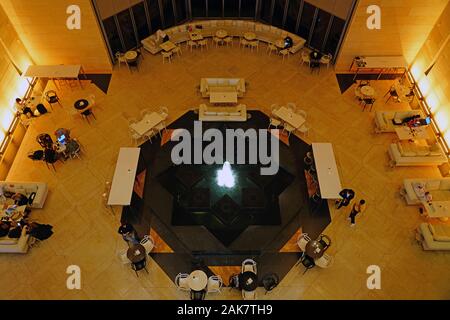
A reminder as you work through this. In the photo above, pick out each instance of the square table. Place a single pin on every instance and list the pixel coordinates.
(290, 117)
(327, 172)
(167, 46)
(405, 133)
(147, 123)
(124, 177)
(223, 97)
(195, 36)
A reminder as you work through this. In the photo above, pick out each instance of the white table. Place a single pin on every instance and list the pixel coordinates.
(54, 72)
(405, 133)
(195, 36)
(131, 55)
(124, 177)
(198, 280)
(327, 172)
(223, 97)
(167, 46)
(147, 123)
(292, 118)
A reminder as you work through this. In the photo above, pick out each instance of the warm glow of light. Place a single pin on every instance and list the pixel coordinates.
(6, 119)
(442, 120)
(447, 137)
(2, 136)
(433, 102)
(225, 176)
(417, 70)
(424, 86)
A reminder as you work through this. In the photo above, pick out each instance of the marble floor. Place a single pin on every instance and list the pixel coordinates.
(86, 232)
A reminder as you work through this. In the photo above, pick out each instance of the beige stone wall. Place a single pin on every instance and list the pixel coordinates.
(406, 25)
(436, 86)
(41, 25)
(11, 86)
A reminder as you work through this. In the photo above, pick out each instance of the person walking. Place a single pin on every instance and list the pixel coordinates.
(357, 209)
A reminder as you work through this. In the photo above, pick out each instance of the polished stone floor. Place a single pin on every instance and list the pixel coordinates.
(86, 231)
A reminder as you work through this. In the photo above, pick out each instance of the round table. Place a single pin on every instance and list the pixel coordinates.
(198, 280)
(368, 91)
(248, 281)
(314, 249)
(136, 253)
(81, 104)
(131, 55)
(221, 34)
(250, 36)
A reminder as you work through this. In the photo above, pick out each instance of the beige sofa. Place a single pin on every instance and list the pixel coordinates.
(434, 237)
(236, 114)
(8, 245)
(406, 154)
(27, 188)
(439, 189)
(384, 119)
(222, 85)
(235, 28)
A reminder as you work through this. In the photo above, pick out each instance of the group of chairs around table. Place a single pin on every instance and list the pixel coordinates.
(276, 122)
(364, 101)
(149, 244)
(154, 132)
(324, 261)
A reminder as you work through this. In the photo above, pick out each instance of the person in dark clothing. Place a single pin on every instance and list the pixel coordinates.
(20, 199)
(40, 231)
(288, 43)
(357, 208)
(21, 108)
(4, 228)
(15, 232)
(128, 233)
(347, 195)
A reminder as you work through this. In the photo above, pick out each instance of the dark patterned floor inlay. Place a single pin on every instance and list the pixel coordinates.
(206, 225)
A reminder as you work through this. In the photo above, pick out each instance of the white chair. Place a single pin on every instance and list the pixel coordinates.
(254, 45)
(306, 58)
(181, 281)
(271, 48)
(167, 56)
(243, 43)
(151, 134)
(228, 40)
(164, 112)
(249, 295)
(326, 60)
(248, 265)
(218, 41)
(203, 44)
(302, 240)
(302, 113)
(145, 112)
(304, 129)
(288, 128)
(291, 106)
(148, 243)
(121, 59)
(358, 94)
(324, 261)
(135, 137)
(160, 127)
(274, 123)
(284, 53)
(215, 283)
(123, 257)
(178, 51)
(192, 44)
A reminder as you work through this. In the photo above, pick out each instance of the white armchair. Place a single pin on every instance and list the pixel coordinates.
(215, 283)
(181, 281)
(303, 239)
(249, 265)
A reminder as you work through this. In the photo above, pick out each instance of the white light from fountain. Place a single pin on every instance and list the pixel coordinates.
(225, 176)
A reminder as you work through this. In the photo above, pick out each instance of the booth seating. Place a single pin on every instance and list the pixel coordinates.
(406, 154)
(40, 189)
(236, 114)
(20, 245)
(234, 28)
(433, 237)
(222, 85)
(439, 188)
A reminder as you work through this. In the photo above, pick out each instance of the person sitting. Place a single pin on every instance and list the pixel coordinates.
(40, 231)
(128, 233)
(347, 196)
(4, 228)
(161, 35)
(410, 121)
(288, 43)
(20, 199)
(21, 108)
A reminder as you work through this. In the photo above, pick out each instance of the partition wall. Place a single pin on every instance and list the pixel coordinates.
(125, 25)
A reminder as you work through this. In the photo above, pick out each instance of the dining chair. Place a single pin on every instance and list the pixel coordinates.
(306, 59)
(273, 122)
(215, 283)
(86, 113)
(145, 112)
(254, 45)
(392, 94)
(228, 41)
(150, 135)
(177, 50)
(307, 262)
(181, 281)
(368, 102)
(167, 56)
(291, 107)
(304, 129)
(271, 48)
(270, 281)
(243, 43)
(324, 261)
(52, 98)
(122, 255)
(160, 127)
(288, 128)
(148, 243)
(302, 241)
(218, 41)
(358, 94)
(138, 266)
(198, 295)
(302, 113)
(164, 112)
(192, 44)
(326, 60)
(249, 295)
(121, 59)
(248, 265)
(203, 44)
(284, 53)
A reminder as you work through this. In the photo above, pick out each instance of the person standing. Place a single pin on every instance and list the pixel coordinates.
(128, 233)
(357, 209)
(347, 195)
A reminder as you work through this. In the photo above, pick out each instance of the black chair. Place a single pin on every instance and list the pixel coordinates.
(133, 64)
(50, 157)
(325, 241)
(52, 98)
(234, 281)
(37, 155)
(138, 266)
(368, 102)
(87, 113)
(307, 262)
(45, 141)
(392, 94)
(198, 295)
(270, 281)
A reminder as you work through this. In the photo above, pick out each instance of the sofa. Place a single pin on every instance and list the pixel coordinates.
(8, 245)
(417, 153)
(235, 114)
(433, 237)
(235, 28)
(384, 119)
(27, 188)
(439, 189)
(223, 85)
